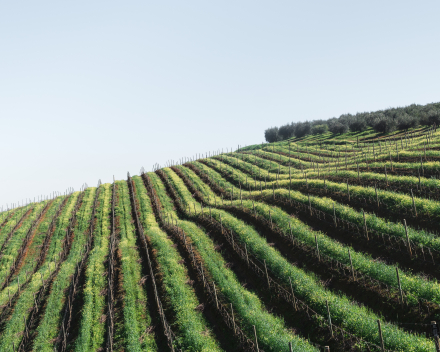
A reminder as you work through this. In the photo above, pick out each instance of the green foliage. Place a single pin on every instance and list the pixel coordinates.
(92, 327)
(319, 129)
(358, 320)
(192, 330)
(136, 318)
(272, 333)
(50, 323)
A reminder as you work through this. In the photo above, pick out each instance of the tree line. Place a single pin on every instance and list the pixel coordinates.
(383, 121)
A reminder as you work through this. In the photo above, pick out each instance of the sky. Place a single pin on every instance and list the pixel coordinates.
(95, 89)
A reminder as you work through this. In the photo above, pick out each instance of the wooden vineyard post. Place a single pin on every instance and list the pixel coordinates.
(267, 276)
(329, 318)
(377, 197)
(418, 174)
(435, 333)
(382, 345)
(365, 225)
(215, 295)
(348, 191)
(293, 295)
(290, 180)
(399, 285)
(351, 265)
(25, 326)
(386, 178)
(233, 319)
(414, 204)
(326, 349)
(310, 205)
(358, 171)
(290, 230)
(256, 339)
(203, 276)
(407, 238)
(246, 252)
(270, 218)
(290, 347)
(317, 248)
(334, 215)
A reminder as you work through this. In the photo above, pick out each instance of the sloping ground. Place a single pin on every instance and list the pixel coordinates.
(321, 243)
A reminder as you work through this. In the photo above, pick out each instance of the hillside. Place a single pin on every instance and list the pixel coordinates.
(327, 242)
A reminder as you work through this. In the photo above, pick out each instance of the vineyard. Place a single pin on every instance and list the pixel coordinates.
(327, 242)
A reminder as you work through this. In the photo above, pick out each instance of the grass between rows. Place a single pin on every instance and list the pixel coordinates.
(92, 327)
(272, 333)
(15, 325)
(358, 320)
(419, 237)
(48, 329)
(137, 321)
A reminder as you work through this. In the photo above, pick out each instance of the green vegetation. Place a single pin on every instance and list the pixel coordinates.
(134, 335)
(272, 333)
(358, 320)
(191, 328)
(300, 208)
(92, 329)
(49, 326)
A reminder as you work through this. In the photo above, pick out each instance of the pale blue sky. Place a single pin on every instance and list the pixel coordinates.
(91, 89)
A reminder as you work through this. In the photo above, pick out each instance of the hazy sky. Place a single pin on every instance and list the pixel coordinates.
(92, 89)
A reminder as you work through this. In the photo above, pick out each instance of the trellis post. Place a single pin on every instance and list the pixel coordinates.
(399, 285)
(267, 276)
(256, 339)
(407, 238)
(329, 318)
(317, 248)
(435, 333)
(351, 265)
(365, 225)
(233, 319)
(414, 204)
(382, 346)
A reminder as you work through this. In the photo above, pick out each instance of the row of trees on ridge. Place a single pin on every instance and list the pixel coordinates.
(383, 121)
